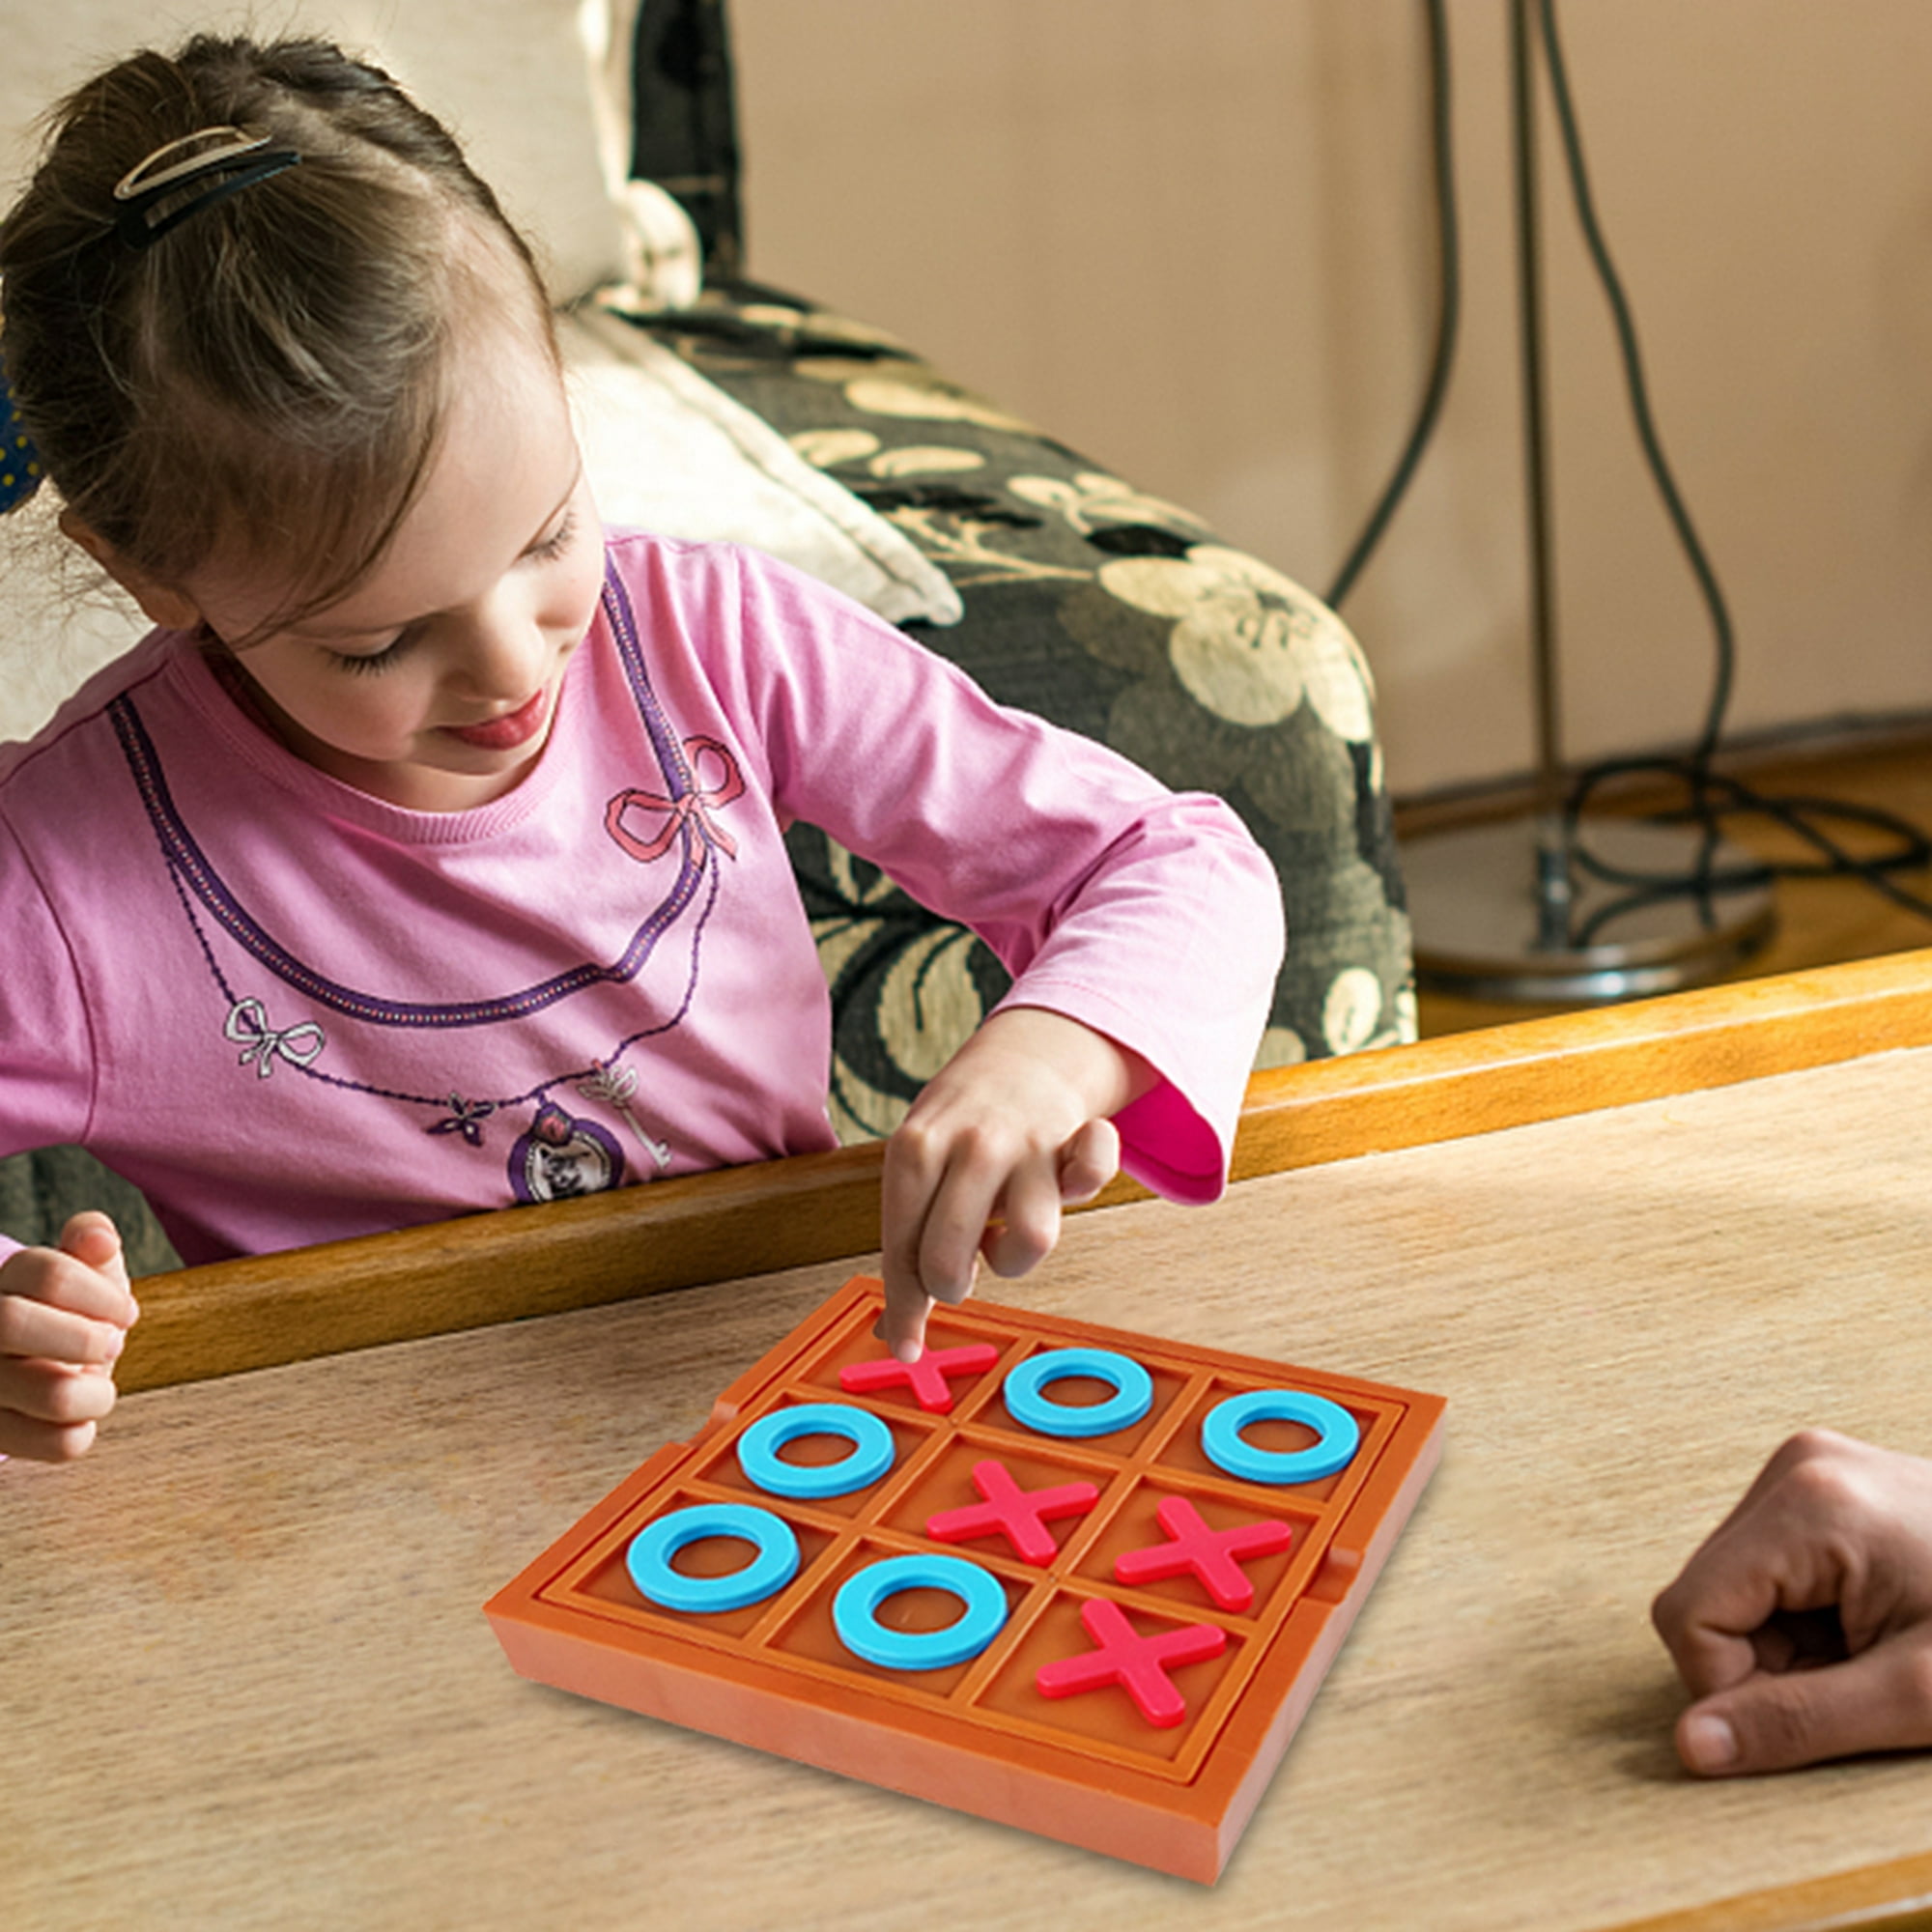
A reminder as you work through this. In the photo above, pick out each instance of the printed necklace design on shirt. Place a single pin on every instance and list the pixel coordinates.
(556, 1152)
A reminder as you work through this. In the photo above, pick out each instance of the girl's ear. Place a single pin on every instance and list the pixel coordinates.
(160, 603)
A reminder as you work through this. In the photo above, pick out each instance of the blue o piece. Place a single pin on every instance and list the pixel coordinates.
(1027, 1403)
(854, 1612)
(1338, 1437)
(872, 1450)
(648, 1559)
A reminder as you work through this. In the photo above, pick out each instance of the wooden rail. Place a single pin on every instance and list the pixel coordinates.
(265, 1310)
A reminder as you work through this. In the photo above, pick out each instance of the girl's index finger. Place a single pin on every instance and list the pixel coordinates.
(901, 1323)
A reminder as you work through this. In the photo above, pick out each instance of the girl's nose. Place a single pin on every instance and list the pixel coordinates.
(507, 656)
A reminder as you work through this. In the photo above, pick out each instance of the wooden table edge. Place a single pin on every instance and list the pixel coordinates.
(1546, 1070)
(1889, 1897)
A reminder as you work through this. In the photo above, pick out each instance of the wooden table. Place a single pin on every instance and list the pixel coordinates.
(245, 1679)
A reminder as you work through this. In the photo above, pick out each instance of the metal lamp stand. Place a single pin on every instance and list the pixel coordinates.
(1515, 909)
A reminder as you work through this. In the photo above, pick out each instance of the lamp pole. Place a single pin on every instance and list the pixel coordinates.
(1507, 911)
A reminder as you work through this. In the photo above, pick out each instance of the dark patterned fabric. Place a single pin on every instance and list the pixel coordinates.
(1100, 609)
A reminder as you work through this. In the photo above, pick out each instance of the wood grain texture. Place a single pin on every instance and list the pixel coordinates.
(1568, 1063)
(244, 1678)
(271, 1309)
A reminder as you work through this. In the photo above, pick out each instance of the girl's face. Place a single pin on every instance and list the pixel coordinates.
(432, 682)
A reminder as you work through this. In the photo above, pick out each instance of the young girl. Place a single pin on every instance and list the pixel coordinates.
(427, 856)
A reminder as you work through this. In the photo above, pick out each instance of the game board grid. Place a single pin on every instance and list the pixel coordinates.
(962, 1692)
(1159, 1440)
(1118, 1478)
(837, 1540)
(813, 1376)
(1182, 1816)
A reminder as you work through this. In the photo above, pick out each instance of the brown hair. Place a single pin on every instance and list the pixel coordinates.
(269, 377)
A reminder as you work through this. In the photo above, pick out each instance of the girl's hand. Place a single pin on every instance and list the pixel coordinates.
(64, 1315)
(1015, 1126)
(1803, 1626)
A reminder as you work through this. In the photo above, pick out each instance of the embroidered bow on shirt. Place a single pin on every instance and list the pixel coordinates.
(691, 808)
(247, 1025)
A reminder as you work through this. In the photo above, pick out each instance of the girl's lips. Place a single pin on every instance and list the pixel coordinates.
(513, 728)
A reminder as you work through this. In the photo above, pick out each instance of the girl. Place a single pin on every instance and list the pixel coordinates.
(427, 856)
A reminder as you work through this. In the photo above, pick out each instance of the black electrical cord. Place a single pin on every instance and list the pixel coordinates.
(1448, 309)
(1638, 389)
(1712, 795)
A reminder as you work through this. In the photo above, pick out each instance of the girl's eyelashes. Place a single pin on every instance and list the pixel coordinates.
(362, 662)
(558, 542)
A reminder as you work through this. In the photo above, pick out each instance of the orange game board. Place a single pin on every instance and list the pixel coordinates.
(1150, 1635)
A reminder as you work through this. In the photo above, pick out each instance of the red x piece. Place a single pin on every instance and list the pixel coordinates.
(1138, 1664)
(1214, 1555)
(928, 1378)
(1018, 1515)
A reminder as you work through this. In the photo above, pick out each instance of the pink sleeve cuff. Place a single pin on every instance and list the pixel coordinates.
(1165, 1144)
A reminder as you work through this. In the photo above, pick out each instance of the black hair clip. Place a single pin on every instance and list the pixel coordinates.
(238, 161)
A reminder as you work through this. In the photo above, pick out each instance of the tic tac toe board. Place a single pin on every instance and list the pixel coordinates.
(1071, 1579)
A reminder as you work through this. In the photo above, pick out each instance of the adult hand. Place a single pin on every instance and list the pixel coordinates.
(1803, 1626)
(1013, 1127)
(64, 1316)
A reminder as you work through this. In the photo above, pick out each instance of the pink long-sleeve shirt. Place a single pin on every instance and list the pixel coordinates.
(291, 1012)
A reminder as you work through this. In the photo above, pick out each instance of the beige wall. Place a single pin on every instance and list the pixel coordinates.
(1192, 238)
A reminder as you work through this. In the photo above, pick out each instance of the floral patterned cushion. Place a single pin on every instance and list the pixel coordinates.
(1104, 609)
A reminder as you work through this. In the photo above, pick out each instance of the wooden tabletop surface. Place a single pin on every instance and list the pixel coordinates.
(245, 1679)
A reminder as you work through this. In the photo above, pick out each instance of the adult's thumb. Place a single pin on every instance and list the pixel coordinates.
(1776, 1722)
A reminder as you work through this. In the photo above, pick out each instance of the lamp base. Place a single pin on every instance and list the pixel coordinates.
(1486, 925)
